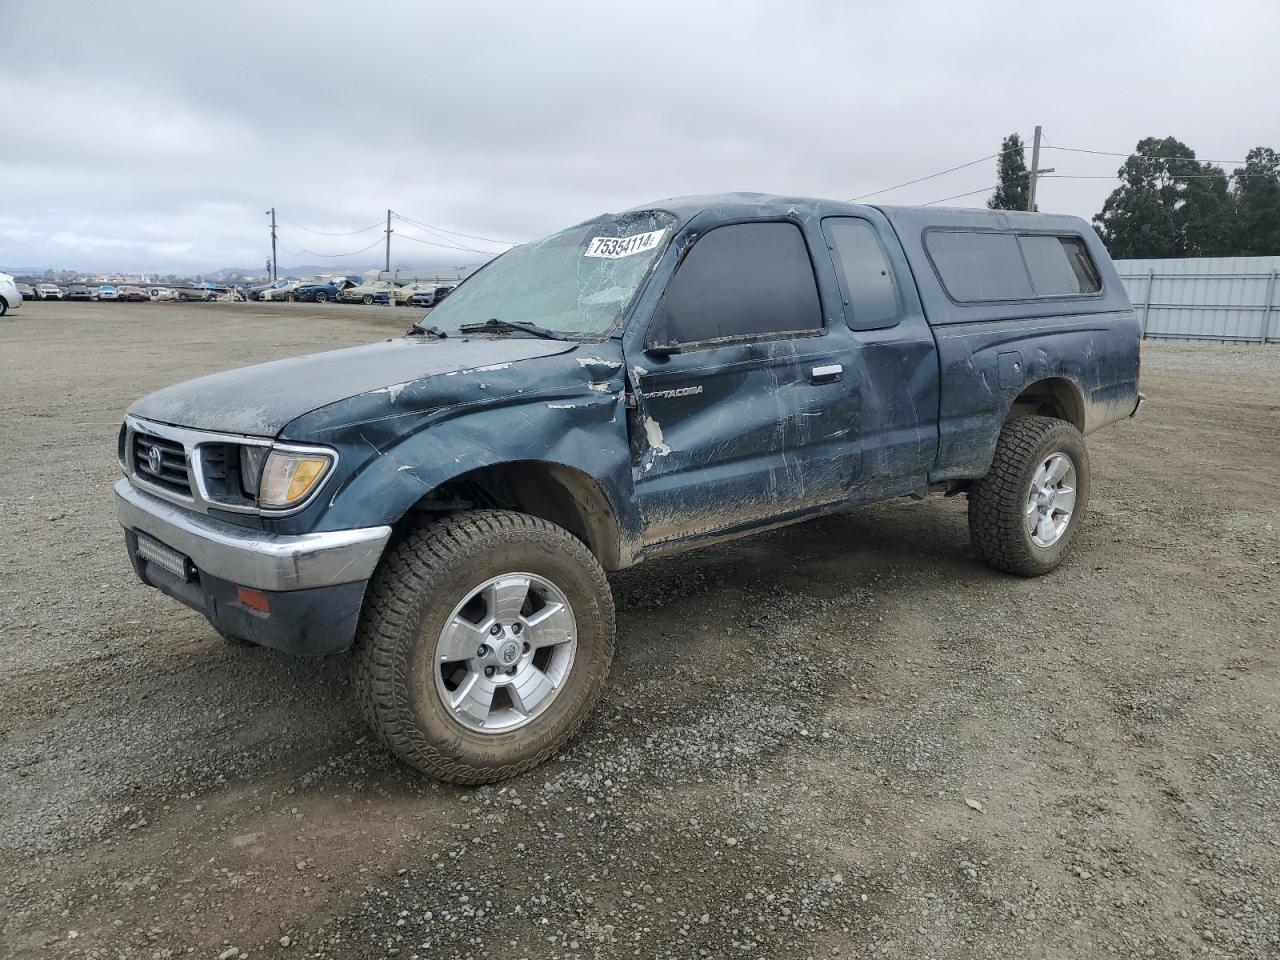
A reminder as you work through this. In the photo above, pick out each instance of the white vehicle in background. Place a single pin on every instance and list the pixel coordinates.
(162, 294)
(108, 291)
(48, 291)
(282, 292)
(10, 298)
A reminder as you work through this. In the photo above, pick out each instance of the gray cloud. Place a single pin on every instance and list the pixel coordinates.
(154, 135)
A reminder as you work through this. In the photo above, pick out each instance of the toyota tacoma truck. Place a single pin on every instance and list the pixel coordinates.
(449, 504)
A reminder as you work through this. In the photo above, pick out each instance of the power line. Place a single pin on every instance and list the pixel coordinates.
(324, 233)
(959, 195)
(313, 253)
(1110, 153)
(931, 176)
(431, 228)
(1190, 176)
(450, 246)
(442, 241)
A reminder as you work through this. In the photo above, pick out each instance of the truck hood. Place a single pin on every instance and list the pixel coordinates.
(260, 400)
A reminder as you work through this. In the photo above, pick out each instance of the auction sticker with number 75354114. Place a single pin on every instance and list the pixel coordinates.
(614, 247)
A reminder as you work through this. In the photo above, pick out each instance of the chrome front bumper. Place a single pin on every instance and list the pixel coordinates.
(254, 558)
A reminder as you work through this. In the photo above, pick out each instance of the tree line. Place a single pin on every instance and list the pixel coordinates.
(1169, 204)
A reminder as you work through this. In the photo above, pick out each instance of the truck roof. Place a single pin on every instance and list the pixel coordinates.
(904, 219)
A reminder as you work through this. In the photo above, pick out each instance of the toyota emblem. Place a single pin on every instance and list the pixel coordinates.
(154, 461)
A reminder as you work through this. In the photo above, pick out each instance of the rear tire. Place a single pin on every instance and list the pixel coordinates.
(422, 590)
(321, 298)
(1022, 518)
(4, 307)
(366, 299)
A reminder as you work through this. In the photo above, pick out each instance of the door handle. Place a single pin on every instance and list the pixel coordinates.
(830, 373)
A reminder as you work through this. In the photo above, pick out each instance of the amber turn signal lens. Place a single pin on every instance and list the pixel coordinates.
(289, 477)
(253, 599)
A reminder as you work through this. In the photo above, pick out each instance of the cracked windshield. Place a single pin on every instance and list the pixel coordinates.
(576, 282)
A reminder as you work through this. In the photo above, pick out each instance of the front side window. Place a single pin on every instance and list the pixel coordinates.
(866, 282)
(576, 282)
(741, 280)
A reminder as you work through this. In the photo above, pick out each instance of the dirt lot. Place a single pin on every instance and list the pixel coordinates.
(843, 738)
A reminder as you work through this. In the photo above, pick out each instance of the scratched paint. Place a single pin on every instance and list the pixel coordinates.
(700, 444)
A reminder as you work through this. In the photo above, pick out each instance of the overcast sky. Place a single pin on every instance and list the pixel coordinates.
(152, 135)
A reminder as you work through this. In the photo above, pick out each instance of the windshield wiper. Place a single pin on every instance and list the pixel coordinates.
(427, 329)
(494, 325)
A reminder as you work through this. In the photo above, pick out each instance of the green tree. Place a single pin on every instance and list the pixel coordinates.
(1257, 200)
(1208, 215)
(1015, 183)
(1168, 205)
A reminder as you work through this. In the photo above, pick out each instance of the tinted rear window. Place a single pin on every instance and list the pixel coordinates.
(979, 266)
(870, 300)
(1060, 266)
(976, 266)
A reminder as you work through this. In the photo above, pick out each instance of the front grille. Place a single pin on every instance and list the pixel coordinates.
(162, 462)
(219, 467)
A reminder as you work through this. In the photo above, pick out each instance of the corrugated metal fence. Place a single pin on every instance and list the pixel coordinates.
(1206, 298)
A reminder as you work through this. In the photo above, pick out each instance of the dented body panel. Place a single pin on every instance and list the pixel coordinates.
(642, 447)
(989, 353)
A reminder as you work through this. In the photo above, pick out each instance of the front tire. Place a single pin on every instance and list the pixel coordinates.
(485, 640)
(321, 298)
(1025, 513)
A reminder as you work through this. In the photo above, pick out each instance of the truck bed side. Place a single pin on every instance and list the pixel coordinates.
(1076, 355)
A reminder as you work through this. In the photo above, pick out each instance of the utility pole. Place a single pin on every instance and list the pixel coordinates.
(1036, 173)
(275, 266)
(387, 268)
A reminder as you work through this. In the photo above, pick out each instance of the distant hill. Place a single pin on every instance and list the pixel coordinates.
(428, 268)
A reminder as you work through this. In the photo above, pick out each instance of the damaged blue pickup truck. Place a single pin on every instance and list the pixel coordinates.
(448, 504)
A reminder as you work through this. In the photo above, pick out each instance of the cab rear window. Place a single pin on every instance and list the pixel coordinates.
(982, 266)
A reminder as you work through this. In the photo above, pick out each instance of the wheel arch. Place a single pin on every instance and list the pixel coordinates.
(1057, 397)
(555, 492)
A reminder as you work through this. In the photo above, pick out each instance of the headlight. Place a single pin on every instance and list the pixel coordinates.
(290, 476)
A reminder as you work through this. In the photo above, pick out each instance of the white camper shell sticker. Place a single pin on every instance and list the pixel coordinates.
(611, 248)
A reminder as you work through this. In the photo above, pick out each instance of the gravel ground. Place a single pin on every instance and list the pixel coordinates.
(843, 738)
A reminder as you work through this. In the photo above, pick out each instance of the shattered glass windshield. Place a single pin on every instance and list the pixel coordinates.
(575, 282)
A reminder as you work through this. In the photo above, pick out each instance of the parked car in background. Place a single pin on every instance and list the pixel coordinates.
(48, 291)
(162, 294)
(133, 294)
(10, 296)
(210, 293)
(108, 291)
(28, 292)
(261, 291)
(429, 297)
(376, 291)
(78, 291)
(323, 291)
(282, 292)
